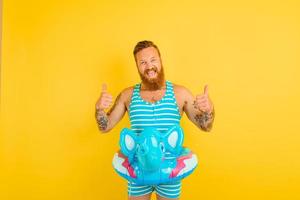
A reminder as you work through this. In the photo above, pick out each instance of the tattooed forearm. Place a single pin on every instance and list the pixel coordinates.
(102, 119)
(205, 120)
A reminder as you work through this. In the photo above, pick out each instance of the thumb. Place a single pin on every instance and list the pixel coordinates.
(206, 90)
(104, 87)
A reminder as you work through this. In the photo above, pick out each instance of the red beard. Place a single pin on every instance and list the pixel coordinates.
(156, 83)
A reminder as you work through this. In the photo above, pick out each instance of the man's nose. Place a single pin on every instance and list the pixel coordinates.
(149, 65)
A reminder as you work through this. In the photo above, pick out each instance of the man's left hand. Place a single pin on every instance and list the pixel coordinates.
(202, 102)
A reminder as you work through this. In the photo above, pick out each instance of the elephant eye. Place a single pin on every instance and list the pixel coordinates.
(162, 147)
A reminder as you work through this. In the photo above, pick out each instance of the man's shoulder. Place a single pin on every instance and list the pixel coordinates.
(181, 92)
(179, 88)
(126, 93)
(127, 90)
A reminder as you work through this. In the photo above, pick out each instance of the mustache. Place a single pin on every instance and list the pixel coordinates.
(151, 68)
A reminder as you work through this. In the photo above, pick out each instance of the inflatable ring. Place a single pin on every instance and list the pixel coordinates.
(152, 158)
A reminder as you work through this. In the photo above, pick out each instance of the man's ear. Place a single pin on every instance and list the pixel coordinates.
(128, 141)
(173, 139)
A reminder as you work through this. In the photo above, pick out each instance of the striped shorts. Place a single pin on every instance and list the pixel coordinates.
(169, 190)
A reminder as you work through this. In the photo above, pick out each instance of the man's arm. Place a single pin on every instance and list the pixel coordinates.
(199, 110)
(106, 121)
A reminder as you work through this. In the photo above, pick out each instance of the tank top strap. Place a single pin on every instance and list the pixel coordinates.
(135, 93)
(169, 86)
(137, 89)
(170, 89)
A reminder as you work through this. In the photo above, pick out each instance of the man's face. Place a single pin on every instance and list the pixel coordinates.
(149, 66)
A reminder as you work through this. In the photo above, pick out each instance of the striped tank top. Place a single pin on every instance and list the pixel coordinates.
(162, 114)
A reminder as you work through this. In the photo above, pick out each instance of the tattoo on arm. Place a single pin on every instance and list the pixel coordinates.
(205, 120)
(102, 119)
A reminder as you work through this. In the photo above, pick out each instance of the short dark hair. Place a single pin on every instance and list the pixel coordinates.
(142, 45)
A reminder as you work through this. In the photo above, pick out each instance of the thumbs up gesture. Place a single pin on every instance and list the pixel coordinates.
(202, 102)
(105, 99)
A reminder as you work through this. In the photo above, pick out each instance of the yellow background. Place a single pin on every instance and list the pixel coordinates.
(56, 54)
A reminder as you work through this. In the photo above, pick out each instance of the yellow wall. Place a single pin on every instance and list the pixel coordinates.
(56, 54)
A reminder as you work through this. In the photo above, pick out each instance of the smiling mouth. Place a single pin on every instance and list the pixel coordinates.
(151, 73)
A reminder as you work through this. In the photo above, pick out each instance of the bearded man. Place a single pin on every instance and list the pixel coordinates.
(154, 102)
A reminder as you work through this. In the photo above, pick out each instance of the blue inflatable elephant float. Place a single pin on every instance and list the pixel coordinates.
(152, 158)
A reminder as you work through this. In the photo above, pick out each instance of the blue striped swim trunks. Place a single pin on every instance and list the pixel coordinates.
(169, 190)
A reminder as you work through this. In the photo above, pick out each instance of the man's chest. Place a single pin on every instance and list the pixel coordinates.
(154, 96)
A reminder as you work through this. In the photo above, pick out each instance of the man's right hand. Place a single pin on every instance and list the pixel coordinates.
(105, 99)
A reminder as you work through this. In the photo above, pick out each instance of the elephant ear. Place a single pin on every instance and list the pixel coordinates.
(173, 139)
(128, 142)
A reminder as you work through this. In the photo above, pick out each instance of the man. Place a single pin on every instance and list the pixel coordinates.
(154, 102)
